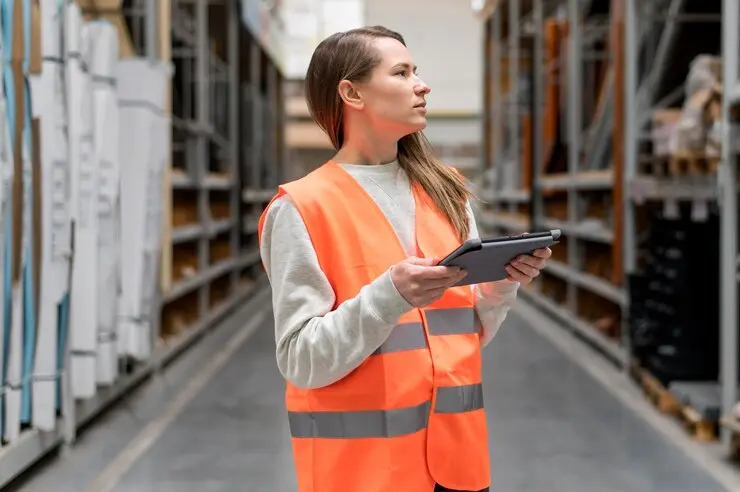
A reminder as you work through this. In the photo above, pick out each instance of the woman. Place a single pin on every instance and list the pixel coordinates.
(380, 351)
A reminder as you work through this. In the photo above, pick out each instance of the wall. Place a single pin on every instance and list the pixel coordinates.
(307, 22)
(446, 39)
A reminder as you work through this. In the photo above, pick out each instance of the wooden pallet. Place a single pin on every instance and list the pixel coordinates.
(683, 164)
(665, 402)
(657, 166)
(700, 428)
(657, 394)
(688, 164)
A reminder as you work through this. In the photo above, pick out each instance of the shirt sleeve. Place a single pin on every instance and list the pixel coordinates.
(318, 345)
(493, 300)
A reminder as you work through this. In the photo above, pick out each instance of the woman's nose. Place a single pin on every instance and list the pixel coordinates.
(422, 88)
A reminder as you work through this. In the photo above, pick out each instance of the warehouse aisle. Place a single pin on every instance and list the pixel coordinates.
(553, 428)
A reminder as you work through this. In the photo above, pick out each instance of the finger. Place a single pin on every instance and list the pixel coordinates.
(414, 260)
(438, 272)
(543, 253)
(442, 283)
(532, 261)
(516, 275)
(526, 269)
(434, 295)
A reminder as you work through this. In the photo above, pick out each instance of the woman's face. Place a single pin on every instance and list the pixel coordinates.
(394, 98)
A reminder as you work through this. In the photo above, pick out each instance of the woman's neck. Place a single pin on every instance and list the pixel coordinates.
(367, 150)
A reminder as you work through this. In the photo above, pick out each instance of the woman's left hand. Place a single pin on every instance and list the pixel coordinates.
(525, 268)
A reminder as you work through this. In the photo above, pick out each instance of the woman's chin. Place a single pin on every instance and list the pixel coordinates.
(418, 124)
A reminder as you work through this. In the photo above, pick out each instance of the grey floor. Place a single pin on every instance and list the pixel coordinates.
(553, 428)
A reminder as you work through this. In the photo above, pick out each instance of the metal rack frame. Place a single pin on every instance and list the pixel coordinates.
(729, 364)
(646, 34)
(217, 95)
(721, 190)
(525, 19)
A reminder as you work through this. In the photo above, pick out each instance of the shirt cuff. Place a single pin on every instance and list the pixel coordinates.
(385, 299)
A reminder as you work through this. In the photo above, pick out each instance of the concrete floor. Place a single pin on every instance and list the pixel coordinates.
(553, 428)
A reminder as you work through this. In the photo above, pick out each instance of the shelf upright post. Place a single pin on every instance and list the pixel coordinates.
(538, 115)
(511, 170)
(574, 121)
(728, 217)
(487, 113)
(498, 108)
(151, 12)
(271, 124)
(629, 170)
(255, 76)
(150, 22)
(234, 20)
(203, 123)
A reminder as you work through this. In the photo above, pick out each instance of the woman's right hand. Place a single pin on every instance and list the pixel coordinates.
(421, 281)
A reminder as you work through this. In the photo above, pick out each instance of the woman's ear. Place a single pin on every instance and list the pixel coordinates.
(350, 95)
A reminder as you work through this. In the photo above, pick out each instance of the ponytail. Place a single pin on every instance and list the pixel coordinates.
(445, 186)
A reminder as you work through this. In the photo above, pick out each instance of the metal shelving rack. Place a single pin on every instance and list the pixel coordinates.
(648, 69)
(502, 189)
(205, 251)
(517, 27)
(703, 192)
(263, 159)
(227, 115)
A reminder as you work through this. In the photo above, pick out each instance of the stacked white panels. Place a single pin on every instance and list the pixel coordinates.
(6, 182)
(84, 201)
(103, 58)
(141, 93)
(14, 327)
(49, 102)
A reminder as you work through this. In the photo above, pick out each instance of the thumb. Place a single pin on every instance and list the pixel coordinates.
(421, 261)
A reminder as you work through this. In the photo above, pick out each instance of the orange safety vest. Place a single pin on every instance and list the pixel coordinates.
(412, 413)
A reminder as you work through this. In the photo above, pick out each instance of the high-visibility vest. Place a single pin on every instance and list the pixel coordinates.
(412, 413)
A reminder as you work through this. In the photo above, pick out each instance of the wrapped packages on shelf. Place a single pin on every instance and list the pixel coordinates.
(705, 74)
(141, 87)
(20, 329)
(664, 127)
(49, 100)
(7, 192)
(84, 199)
(701, 107)
(102, 60)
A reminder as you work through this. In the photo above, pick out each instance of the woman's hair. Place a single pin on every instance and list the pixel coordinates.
(350, 56)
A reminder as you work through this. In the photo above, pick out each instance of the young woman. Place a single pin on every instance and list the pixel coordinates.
(380, 350)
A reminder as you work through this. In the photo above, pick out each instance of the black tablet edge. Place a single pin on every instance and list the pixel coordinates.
(554, 234)
(466, 247)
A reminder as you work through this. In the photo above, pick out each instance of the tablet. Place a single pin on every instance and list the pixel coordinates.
(485, 259)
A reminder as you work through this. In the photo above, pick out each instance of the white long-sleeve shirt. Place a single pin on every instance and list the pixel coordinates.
(317, 346)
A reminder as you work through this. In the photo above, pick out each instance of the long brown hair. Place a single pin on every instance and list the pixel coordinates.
(350, 56)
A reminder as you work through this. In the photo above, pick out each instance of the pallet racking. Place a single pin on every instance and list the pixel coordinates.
(577, 93)
(227, 114)
(558, 174)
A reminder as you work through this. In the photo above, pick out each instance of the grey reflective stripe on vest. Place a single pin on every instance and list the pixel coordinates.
(410, 336)
(356, 425)
(451, 321)
(384, 423)
(406, 336)
(457, 399)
